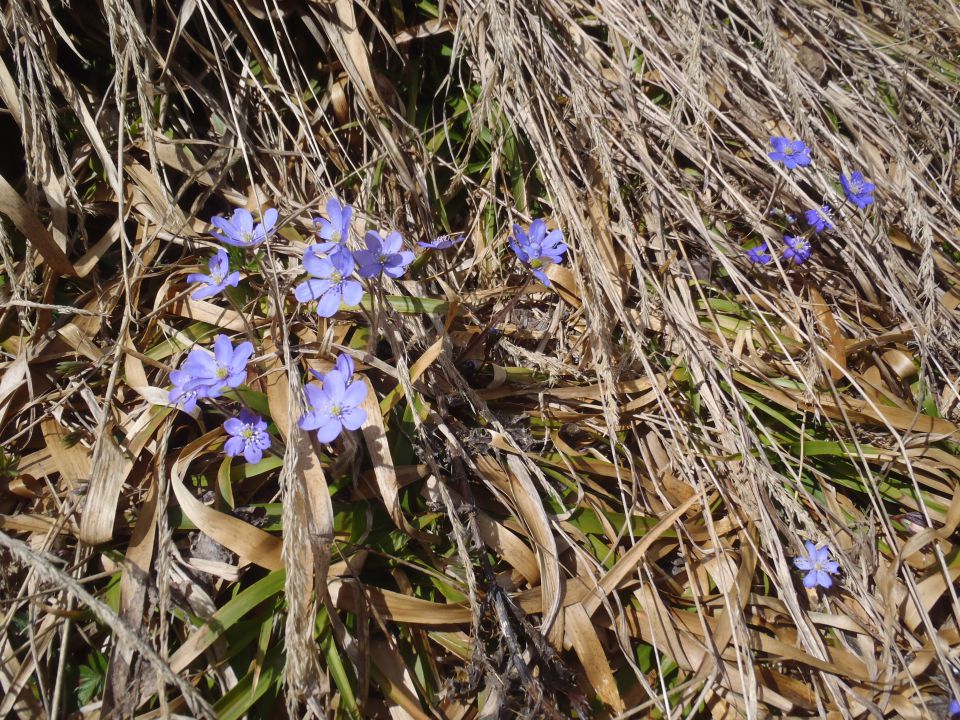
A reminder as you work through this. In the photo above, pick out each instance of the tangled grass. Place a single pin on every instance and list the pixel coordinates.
(582, 501)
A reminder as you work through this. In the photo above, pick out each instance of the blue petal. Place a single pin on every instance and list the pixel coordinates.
(329, 430)
(311, 289)
(329, 302)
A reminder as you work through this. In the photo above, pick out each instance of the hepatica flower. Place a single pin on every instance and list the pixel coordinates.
(798, 249)
(248, 437)
(240, 231)
(179, 395)
(760, 254)
(210, 374)
(819, 218)
(383, 256)
(818, 564)
(218, 280)
(343, 365)
(330, 283)
(441, 243)
(792, 153)
(857, 190)
(954, 708)
(334, 406)
(335, 228)
(538, 249)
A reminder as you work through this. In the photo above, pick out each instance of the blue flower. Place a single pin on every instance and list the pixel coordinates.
(248, 437)
(760, 254)
(334, 406)
(219, 278)
(383, 256)
(954, 708)
(819, 565)
(792, 153)
(240, 231)
(857, 190)
(538, 250)
(442, 243)
(331, 282)
(798, 249)
(343, 365)
(179, 395)
(210, 374)
(819, 218)
(335, 228)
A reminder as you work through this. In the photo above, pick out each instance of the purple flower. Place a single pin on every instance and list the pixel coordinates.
(383, 256)
(792, 153)
(218, 279)
(239, 229)
(538, 250)
(343, 365)
(331, 283)
(760, 254)
(857, 190)
(334, 406)
(248, 437)
(819, 565)
(819, 218)
(209, 374)
(179, 395)
(954, 708)
(798, 249)
(335, 228)
(442, 243)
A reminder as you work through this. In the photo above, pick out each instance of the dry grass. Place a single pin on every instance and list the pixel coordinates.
(591, 513)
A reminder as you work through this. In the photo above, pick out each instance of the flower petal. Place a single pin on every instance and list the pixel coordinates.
(329, 302)
(329, 430)
(342, 260)
(352, 293)
(310, 290)
(270, 220)
(353, 418)
(314, 263)
(240, 356)
(313, 419)
(233, 446)
(393, 242)
(373, 242)
(345, 365)
(205, 292)
(233, 426)
(253, 454)
(334, 386)
(243, 220)
(355, 394)
(222, 349)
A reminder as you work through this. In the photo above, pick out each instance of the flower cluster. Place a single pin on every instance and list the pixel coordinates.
(335, 404)
(331, 264)
(206, 374)
(335, 273)
(538, 249)
(795, 154)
